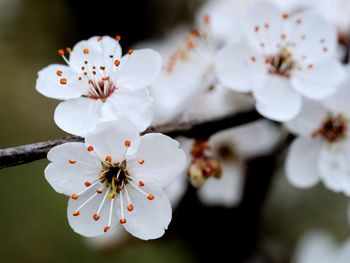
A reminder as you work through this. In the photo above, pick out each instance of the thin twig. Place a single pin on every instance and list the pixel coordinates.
(192, 129)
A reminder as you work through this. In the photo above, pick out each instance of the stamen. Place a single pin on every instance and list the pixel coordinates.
(141, 183)
(87, 183)
(106, 228)
(74, 196)
(141, 161)
(116, 62)
(127, 143)
(130, 51)
(122, 220)
(76, 213)
(96, 217)
(110, 217)
(60, 52)
(103, 200)
(90, 148)
(130, 207)
(63, 81)
(108, 158)
(68, 50)
(118, 37)
(150, 197)
(86, 51)
(59, 73)
(72, 161)
(87, 201)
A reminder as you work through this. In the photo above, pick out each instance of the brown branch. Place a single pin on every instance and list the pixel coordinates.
(192, 129)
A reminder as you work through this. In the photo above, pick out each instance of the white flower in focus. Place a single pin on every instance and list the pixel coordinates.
(283, 58)
(320, 247)
(232, 148)
(100, 84)
(322, 150)
(116, 178)
(110, 240)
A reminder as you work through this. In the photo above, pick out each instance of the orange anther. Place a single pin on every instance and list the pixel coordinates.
(116, 62)
(130, 207)
(130, 51)
(253, 58)
(141, 183)
(102, 68)
(68, 50)
(111, 196)
(119, 188)
(96, 217)
(122, 221)
(150, 197)
(127, 143)
(106, 228)
(63, 81)
(99, 191)
(256, 29)
(90, 148)
(59, 73)
(108, 158)
(60, 52)
(87, 183)
(74, 196)
(86, 51)
(141, 161)
(117, 37)
(72, 161)
(76, 213)
(285, 16)
(105, 78)
(267, 25)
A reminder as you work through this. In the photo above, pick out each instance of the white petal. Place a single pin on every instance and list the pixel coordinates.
(48, 83)
(163, 160)
(309, 42)
(243, 139)
(78, 116)
(110, 240)
(99, 54)
(226, 191)
(84, 224)
(67, 178)
(223, 24)
(138, 70)
(320, 81)
(339, 101)
(135, 105)
(263, 27)
(174, 91)
(301, 162)
(334, 165)
(150, 218)
(176, 190)
(317, 247)
(309, 119)
(109, 139)
(240, 68)
(344, 253)
(277, 100)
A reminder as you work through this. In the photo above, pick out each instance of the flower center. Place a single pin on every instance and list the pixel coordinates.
(332, 129)
(115, 176)
(100, 90)
(280, 64)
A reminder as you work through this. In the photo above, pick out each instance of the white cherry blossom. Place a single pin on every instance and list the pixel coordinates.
(116, 178)
(321, 152)
(232, 148)
(100, 84)
(282, 58)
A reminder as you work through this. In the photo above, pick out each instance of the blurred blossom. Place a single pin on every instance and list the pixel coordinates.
(187, 85)
(223, 185)
(321, 151)
(116, 178)
(99, 83)
(8, 9)
(282, 58)
(320, 247)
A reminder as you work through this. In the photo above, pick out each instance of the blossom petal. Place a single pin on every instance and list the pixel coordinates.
(309, 119)
(78, 116)
(97, 52)
(162, 160)
(84, 224)
(310, 45)
(263, 27)
(243, 139)
(138, 70)
(150, 218)
(240, 68)
(339, 101)
(301, 162)
(48, 83)
(116, 139)
(226, 191)
(71, 167)
(334, 165)
(135, 105)
(277, 100)
(319, 81)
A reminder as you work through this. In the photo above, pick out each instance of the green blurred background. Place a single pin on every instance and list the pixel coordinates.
(33, 225)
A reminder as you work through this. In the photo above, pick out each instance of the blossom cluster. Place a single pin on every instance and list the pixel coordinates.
(283, 58)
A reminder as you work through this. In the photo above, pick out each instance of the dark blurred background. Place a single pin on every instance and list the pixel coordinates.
(33, 225)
